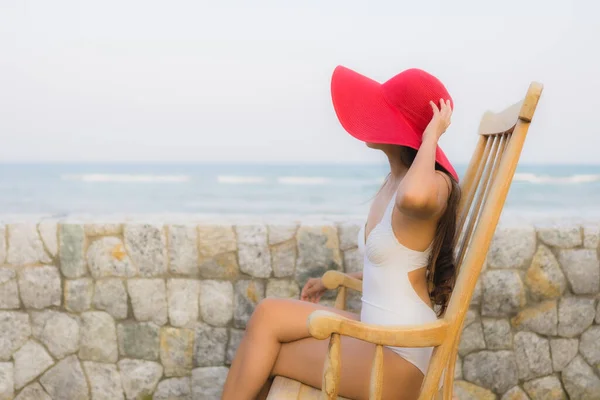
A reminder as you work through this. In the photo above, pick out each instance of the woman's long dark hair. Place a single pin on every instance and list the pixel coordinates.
(441, 270)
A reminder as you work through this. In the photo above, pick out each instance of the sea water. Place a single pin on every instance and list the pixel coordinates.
(298, 190)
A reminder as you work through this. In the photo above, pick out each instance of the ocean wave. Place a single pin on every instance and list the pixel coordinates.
(303, 180)
(127, 178)
(230, 179)
(321, 180)
(297, 180)
(533, 178)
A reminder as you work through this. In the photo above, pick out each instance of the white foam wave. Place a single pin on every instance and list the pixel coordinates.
(533, 178)
(230, 179)
(298, 180)
(126, 178)
(303, 180)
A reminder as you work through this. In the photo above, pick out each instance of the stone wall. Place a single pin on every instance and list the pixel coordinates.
(140, 311)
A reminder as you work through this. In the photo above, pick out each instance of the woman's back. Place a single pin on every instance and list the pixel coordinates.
(388, 295)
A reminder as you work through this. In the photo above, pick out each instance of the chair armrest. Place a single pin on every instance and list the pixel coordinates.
(321, 324)
(335, 279)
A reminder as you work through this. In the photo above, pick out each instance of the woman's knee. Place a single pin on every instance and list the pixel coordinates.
(264, 313)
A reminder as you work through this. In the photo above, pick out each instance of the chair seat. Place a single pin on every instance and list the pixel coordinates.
(289, 389)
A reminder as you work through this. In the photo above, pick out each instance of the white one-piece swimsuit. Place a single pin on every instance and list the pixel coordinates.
(388, 297)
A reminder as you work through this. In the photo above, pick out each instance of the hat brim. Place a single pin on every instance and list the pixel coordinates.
(365, 114)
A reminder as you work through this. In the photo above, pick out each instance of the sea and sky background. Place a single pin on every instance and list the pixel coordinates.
(223, 108)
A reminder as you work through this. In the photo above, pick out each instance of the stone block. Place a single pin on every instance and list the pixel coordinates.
(516, 393)
(40, 287)
(183, 249)
(111, 296)
(467, 391)
(176, 350)
(512, 247)
(9, 291)
(71, 245)
(544, 277)
(146, 245)
(471, 339)
(103, 229)
(591, 236)
(318, 252)
(207, 383)
(575, 315)
(174, 389)
(589, 345)
(78, 294)
(59, 332)
(217, 248)
(209, 345)
(283, 288)
(279, 233)
(546, 388)
(494, 370)
(16, 330)
(497, 333)
(503, 293)
(532, 353)
(582, 270)
(139, 378)
(48, 230)
(563, 351)
(579, 380)
(7, 381)
(106, 257)
(139, 340)
(31, 361)
(216, 302)
(182, 298)
(283, 256)
(348, 233)
(235, 337)
(560, 235)
(105, 381)
(25, 246)
(247, 294)
(98, 337)
(148, 300)
(66, 380)
(253, 251)
(33, 392)
(353, 260)
(541, 318)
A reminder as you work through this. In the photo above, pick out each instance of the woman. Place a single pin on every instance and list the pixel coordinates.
(407, 243)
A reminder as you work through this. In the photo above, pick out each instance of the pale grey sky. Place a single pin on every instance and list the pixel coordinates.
(249, 80)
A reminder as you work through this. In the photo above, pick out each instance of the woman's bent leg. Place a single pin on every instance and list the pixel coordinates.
(303, 360)
(274, 321)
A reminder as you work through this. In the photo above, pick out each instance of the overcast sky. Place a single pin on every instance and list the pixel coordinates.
(249, 80)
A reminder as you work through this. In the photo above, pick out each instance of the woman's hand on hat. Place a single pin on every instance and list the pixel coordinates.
(441, 119)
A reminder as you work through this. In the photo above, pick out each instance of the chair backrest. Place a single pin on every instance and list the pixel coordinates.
(484, 190)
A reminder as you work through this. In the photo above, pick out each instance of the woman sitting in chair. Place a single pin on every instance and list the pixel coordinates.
(407, 243)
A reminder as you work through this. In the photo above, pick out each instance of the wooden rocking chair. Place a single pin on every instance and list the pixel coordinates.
(484, 190)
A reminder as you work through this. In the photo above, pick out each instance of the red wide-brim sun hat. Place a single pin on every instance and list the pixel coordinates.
(395, 112)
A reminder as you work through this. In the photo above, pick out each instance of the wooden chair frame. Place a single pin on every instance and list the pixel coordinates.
(484, 190)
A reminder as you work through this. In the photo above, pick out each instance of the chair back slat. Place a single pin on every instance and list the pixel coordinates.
(485, 187)
(469, 188)
(465, 235)
(469, 178)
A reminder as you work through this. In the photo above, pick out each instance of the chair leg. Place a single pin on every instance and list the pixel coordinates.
(340, 300)
(449, 374)
(331, 375)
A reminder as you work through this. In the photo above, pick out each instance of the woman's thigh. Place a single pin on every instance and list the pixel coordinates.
(303, 360)
(287, 318)
(302, 357)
